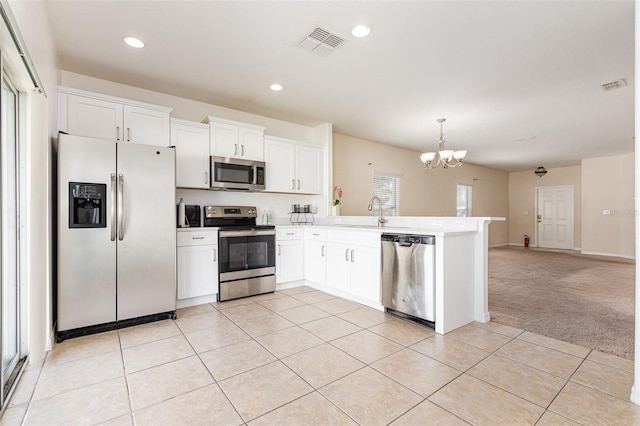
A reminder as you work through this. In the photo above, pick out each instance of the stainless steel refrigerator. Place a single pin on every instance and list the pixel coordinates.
(116, 232)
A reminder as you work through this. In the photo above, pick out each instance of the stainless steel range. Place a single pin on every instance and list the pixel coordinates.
(247, 261)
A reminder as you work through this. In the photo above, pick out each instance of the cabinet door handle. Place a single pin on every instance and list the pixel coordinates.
(242, 150)
(290, 233)
(206, 177)
(235, 149)
(278, 249)
(322, 251)
(128, 134)
(352, 258)
(215, 255)
(118, 133)
(293, 184)
(346, 255)
(197, 238)
(316, 235)
(298, 183)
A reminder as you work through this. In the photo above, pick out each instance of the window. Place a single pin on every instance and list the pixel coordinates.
(387, 188)
(463, 206)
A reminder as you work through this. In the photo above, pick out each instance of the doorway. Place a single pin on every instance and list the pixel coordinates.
(555, 217)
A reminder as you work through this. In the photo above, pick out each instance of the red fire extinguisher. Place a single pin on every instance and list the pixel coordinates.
(526, 241)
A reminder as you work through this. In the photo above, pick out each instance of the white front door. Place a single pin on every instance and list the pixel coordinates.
(555, 217)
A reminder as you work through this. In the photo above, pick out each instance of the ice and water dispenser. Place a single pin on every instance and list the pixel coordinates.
(87, 205)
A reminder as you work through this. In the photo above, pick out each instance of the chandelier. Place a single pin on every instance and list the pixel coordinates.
(446, 157)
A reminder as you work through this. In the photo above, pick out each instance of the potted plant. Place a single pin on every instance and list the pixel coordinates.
(336, 203)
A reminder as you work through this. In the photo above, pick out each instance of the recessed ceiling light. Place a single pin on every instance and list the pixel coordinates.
(361, 31)
(276, 87)
(134, 42)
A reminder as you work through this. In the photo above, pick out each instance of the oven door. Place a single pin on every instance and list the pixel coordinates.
(246, 254)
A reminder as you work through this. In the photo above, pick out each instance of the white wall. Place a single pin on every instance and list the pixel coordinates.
(31, 18)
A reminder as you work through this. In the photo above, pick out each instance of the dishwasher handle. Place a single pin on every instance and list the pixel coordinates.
(407, 240)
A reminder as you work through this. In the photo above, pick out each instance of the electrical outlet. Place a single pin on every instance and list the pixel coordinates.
(606, 212)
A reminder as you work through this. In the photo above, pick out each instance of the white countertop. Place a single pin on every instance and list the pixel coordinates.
(384, 229)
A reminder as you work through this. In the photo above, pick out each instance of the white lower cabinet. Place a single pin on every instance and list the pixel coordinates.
(315, 255)
(353, 263)
(365, 272)
(339, 266)
(197, 263)
(289, 255)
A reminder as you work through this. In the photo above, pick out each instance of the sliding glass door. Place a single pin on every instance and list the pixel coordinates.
(9, 241)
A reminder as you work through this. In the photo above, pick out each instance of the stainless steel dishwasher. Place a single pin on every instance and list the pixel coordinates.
(408, 275)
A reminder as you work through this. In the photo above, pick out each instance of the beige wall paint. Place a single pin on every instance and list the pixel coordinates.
(422, 192)
(608, 184)
(522, 194)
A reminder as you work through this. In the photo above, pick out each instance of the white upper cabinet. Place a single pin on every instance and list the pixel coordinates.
(234, 139)
(292, 166)
(145, 126)
(280, 163)
(99, 116)
(192, 153)
(94, 118)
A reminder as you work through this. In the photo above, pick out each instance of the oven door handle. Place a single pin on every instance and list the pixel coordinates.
(246, 233)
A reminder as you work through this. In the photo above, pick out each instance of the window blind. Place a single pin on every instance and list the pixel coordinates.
(387, 188)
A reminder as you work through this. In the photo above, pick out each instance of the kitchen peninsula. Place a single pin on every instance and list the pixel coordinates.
(461, 261)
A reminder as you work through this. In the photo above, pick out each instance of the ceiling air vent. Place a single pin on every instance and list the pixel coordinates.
(320, 41)
(613, 85)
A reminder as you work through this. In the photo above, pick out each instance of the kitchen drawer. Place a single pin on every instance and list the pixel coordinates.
(315, 234)
(289, 234)
(363, 238)
(197, 238)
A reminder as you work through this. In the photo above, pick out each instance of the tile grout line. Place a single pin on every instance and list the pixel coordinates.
(210, 374)
(126, 382)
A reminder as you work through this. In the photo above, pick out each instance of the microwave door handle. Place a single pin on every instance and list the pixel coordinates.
(254, 178)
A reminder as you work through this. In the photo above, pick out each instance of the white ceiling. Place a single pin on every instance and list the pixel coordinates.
(501, 72)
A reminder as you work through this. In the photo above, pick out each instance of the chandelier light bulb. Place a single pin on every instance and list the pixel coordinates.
(459, 155)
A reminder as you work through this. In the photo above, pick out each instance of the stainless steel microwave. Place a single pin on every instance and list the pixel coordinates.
(233, 174)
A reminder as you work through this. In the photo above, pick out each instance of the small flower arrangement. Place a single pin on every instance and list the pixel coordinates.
(337, 194)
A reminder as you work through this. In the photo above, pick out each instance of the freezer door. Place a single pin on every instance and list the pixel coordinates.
(86, 292)
(146, 230)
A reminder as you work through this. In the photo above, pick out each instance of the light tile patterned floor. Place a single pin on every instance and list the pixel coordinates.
(302, 357)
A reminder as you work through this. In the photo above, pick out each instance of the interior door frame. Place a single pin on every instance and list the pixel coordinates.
(535, 210)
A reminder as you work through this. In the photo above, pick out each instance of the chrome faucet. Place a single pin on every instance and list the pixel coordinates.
(381, 220)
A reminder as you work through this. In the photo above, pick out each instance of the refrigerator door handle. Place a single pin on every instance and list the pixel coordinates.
(113, 206)
(120, 207)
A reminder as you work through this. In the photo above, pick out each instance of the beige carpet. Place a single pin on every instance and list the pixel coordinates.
(585, 300)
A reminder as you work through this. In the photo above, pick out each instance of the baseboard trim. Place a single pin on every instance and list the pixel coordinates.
(635, 395)
(596, 253)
